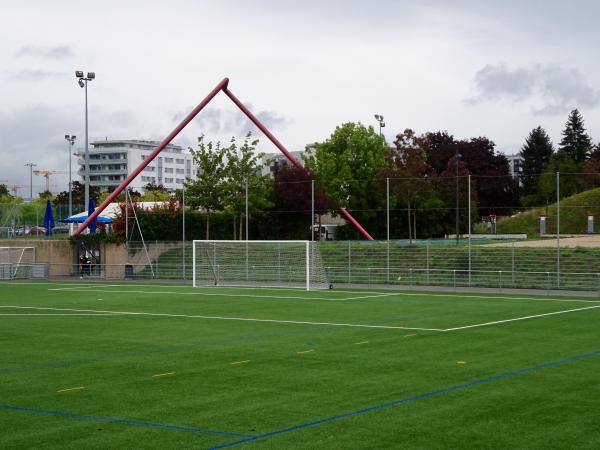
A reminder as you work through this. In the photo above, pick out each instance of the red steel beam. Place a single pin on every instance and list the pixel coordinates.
(343, 211)
(222, 85)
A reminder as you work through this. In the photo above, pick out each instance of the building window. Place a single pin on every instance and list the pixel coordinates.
(168, 170)
(168, 160)
(181, 171)
(179, 181)
(168, 180)
(180, 161)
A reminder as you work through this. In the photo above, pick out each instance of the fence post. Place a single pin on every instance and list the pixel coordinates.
(427, 260)
(369, 271)
(454, 270)
(500, 278)
(410, 271)
(513, 265)
(349, 263)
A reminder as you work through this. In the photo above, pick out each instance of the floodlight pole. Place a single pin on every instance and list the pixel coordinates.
(456, 155)
(70, 140)
(558, 230)
(183, 226)
(247, 237)
(31, 166)
(312, 211)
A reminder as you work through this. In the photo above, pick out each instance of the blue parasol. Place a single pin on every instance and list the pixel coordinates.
(91, 208)
(48, 219)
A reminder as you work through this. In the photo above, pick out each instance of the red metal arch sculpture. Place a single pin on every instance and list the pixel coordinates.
(222, 86)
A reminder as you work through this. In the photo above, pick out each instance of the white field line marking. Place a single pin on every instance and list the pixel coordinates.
(71, 389)
(364, 296)
(76, 285)
(202, 293)
(489, 297)
(521, 318)
(58, 314)
(243, 319)
(375, 295)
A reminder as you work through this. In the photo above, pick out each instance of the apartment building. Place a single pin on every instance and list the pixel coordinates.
(112, 161)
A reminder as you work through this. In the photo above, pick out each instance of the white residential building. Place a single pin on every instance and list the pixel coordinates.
(112, 161)
(514, 164)
(271, 161)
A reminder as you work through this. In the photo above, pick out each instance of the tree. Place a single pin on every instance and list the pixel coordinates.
(406, 167)
(244, 167)
(4, 192)
(536, 154)
(153, 187)
(494, 188)
(78, 193)
(345, 166)
(292, 189)
(576, 143)
(210, 188)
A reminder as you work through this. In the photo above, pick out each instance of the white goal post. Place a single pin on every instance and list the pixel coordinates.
(16, 262)
(258, 263)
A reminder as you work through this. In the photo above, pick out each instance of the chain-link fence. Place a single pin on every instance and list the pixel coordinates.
(485, 263)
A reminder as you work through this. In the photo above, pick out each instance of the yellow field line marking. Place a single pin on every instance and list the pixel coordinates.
(240, 362)
(410, 335)
(71, 389)
(361, 343)
(163, 374)
(305, 351)
(461, 362)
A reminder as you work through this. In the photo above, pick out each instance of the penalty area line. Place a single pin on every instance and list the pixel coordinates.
(239, 319)
(496, 322)
(203, 293)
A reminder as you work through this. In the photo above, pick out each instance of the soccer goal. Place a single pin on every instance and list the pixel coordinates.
(16, 262)
(259, 263)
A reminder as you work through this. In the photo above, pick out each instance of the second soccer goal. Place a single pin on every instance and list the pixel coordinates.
(259, 263)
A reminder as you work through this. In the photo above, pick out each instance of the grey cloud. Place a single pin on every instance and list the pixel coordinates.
(37, 135)
(34, 75)
(61, 51)
(233, 122)
(559, 89)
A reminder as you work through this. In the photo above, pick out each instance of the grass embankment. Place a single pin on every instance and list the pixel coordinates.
(573, 216)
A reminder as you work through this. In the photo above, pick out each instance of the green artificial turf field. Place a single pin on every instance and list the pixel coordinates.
(156, 366)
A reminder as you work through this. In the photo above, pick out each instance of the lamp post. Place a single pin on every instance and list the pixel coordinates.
(83, 82)
(71, 141)
(379, 118)
(31, 166)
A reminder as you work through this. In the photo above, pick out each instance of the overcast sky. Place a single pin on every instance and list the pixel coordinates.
(473, 68)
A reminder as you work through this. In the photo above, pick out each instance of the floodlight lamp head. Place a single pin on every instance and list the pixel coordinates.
(81, 84)
(67, 137)
(79, 73)
(377, 117)
(382, 124)
(91, 75)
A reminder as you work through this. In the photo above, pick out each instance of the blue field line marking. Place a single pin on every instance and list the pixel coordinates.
(409, 399)
(123, 421)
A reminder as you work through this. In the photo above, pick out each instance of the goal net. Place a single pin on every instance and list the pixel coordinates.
(259, 263)
(16, 262)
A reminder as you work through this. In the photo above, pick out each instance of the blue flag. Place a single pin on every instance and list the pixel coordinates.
(91, 208)
(48, 219)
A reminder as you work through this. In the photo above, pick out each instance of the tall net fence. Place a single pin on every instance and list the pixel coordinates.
(485, 263)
